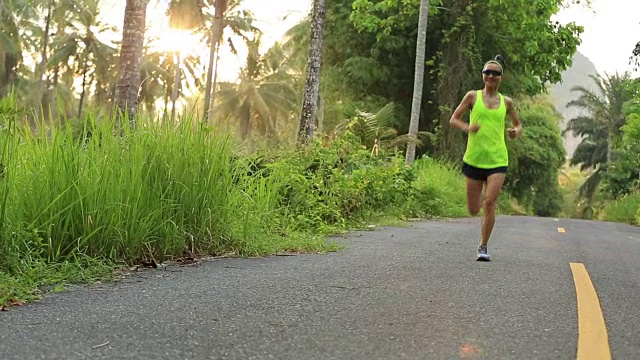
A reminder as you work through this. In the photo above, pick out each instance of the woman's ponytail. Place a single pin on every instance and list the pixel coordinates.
(499, 58)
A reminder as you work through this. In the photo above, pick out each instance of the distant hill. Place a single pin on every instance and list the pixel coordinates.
(561, 94)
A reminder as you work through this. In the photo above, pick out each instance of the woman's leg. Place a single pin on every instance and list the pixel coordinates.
(494, 184)
(474, 195)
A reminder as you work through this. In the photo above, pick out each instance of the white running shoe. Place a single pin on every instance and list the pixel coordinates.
(483, 255)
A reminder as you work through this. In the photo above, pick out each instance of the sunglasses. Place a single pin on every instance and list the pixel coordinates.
(492, 72)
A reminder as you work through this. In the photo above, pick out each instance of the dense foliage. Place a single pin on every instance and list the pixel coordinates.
(461, 37)
(536, 159)
(609, 147)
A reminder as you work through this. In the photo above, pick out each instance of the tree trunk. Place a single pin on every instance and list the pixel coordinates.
(207, 89)
(56, 76)
(454, 76)
(418, 81)
(609, 147)
(245, 120)
(176, 88)
(216, 33)
(167, 92)
(214, 86)
(100, 94)
(128, 85)
(309, 111)
(320, 114)
(85, 70)
(41, 68)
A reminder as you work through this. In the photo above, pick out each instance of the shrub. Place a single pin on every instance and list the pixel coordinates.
(626, 210)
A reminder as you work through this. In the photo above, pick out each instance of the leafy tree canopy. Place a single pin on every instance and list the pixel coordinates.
(537, 49)
(534, 160)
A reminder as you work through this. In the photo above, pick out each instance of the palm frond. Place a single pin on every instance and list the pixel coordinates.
(590, 186)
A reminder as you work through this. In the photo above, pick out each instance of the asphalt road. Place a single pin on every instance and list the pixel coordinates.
(393, 293)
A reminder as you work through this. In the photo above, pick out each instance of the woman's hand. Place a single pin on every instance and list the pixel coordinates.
(514, 132)
(473, 128)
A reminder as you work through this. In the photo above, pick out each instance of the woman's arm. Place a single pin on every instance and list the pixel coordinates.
(516, 129)
(456, 119)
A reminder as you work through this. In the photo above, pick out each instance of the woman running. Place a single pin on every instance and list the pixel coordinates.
(486, 159)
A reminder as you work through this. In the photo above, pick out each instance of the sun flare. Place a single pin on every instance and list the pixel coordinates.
(182, 41)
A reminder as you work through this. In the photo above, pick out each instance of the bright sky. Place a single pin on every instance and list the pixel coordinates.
(611, 31)
(612, 28)
(274, 18)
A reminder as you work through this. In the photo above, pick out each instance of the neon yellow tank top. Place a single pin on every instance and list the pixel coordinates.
(486, 149)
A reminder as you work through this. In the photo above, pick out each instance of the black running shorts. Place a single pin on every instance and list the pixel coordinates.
(475, 173)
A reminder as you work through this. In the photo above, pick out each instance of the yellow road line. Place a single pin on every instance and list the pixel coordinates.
(561, 230)
(593, 340)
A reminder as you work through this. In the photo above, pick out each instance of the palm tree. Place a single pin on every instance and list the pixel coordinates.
(213, 17)
(156, 72)
(240, 22)
(263, 95)
(377, 131)
(185, 14)
(78, 45)
(296, 42)
(22, 30)
(604, 115)
(599, 127)
(418, 84)
(160, 74)
(57, 16)
(11, 41)
(308, 114)
(217, 29)
(41, 67)
(130, 57)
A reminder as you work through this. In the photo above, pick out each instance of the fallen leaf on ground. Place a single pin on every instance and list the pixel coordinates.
(99, 346)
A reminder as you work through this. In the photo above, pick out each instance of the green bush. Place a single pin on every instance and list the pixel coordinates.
(625, 210)
(339, 183)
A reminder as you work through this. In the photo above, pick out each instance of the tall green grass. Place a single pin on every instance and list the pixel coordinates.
(153, 193)
(439, 189)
